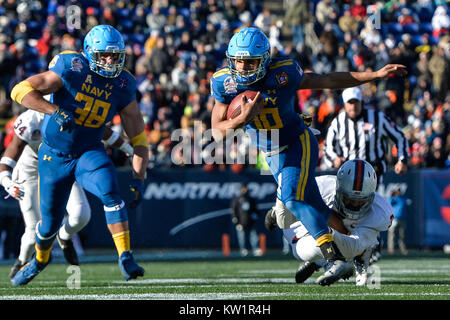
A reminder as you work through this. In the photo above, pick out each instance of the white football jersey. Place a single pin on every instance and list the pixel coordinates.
(363, 232)
(28, 128)
(378, 218)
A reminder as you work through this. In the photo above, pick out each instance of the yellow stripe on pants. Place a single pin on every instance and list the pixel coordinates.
(306, 148)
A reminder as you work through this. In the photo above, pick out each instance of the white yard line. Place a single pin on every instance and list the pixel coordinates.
(212, 296)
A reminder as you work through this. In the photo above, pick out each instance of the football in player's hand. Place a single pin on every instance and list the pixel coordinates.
(234, 108)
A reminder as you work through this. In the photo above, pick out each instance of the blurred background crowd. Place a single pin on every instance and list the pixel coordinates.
(174, 47)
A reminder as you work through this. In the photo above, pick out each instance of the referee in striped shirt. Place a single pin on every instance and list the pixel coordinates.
(362, 133)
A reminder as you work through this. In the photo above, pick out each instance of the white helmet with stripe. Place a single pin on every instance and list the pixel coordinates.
(355, 189)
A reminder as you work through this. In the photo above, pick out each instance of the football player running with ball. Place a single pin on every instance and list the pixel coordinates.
(364, 213)
(270, 119)
(87, 89)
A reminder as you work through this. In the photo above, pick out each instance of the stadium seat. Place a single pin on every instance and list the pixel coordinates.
(417, 39)
(137, 38)
(426, 27)
(395, 28)
(34, 29)
(425, 15)
(384, 31)
(411, 28)
(185, 12)
(127, 26)
(123, 13)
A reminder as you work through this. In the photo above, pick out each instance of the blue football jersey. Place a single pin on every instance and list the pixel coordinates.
(278, 89)
(91, 99)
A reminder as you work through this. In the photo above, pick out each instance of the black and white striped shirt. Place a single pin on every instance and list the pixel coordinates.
(364, 138)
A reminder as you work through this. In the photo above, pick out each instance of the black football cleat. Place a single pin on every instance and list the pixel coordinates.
(69, 251)
(305, 271)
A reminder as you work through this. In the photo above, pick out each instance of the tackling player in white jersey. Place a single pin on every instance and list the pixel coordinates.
(19, 177)
(364, 214)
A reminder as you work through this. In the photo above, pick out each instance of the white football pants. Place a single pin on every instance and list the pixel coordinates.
(78, 209)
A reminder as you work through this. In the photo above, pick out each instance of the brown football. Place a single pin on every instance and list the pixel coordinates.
(234, 108)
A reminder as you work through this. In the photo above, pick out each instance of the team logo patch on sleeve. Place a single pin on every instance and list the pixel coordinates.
(229, 85)
(77, 65)
(282, 78)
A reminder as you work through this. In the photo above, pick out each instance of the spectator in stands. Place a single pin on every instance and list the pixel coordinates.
(358, 10)
(30, 37)
(326, 11)
(264, 21)
(436, 156)
(329, 40)
(296, 16)
(348, 23)
(156, 20)
(159, 58)
(438, 67)
(440, 21)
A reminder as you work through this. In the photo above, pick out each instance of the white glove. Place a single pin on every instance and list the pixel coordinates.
(362, 267)
(14, 189)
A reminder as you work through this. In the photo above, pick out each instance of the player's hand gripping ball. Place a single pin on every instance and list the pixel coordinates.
(234, 108)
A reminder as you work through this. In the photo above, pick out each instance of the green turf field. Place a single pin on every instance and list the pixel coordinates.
(418, 276)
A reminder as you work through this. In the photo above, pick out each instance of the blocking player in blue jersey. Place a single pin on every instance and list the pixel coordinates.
(87, 89)
(290, 147)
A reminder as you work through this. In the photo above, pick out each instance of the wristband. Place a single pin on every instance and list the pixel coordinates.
(127, 148)
(113, 138)
(8, 161)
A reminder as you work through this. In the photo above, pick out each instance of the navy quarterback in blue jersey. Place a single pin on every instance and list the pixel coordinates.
(87, 89)
(290, 147)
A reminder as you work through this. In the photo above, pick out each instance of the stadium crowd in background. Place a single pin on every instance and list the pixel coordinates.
(174, 47)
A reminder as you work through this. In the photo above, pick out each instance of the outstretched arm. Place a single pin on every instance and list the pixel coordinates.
(340, 80)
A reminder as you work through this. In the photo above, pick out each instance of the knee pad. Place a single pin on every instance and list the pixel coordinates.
(116, 214)
(79, 215)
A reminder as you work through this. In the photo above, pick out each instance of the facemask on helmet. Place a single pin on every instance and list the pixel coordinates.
(249, 44)
(355, 189)
(105, 50)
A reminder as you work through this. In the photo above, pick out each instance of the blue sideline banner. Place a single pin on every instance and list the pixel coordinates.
(184, 208)
(191, 208)
(436, 195)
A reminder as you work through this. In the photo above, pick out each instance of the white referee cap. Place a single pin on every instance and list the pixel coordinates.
(351, 93)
